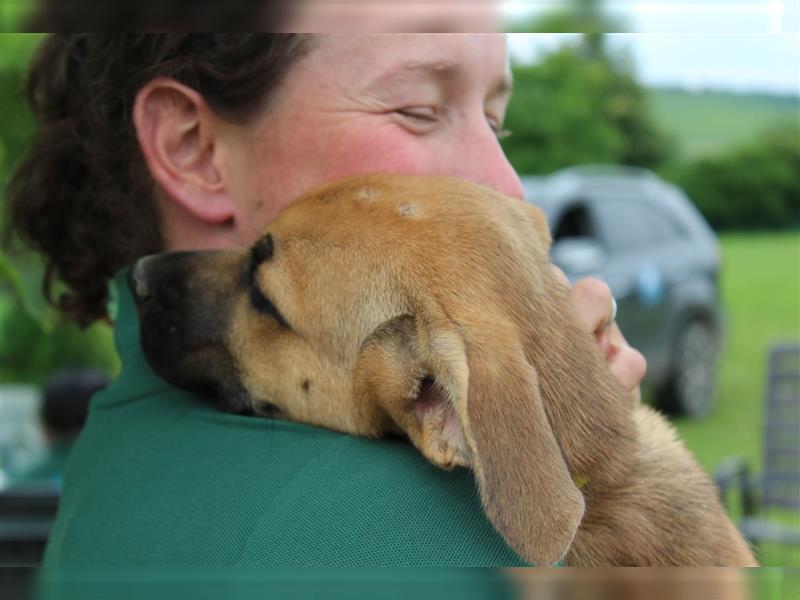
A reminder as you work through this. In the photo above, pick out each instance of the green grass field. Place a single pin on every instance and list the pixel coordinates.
(761, 291)
(709, 122)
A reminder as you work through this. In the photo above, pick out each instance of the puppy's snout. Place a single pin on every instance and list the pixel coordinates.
(137, 280)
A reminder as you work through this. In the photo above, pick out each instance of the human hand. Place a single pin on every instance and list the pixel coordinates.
(593, 301)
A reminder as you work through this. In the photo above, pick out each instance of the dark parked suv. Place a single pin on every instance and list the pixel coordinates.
(661, 260)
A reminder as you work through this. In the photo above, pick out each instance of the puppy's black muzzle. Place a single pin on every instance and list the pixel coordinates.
(137, 280)
(184, 311)
(167, 280)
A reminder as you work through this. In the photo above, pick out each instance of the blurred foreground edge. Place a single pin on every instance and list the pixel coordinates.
(269, 16)
(656, 584)
(418, 583)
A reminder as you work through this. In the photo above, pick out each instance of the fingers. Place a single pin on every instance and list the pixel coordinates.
(594, 303)
(627, 364)
(562, 277)
(592, 298)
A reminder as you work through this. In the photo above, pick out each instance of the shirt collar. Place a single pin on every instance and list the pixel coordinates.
(137, 378)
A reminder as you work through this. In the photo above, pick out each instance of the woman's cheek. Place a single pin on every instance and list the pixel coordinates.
(365, 152)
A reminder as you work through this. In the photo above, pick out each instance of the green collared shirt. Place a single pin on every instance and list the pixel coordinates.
(160, 478)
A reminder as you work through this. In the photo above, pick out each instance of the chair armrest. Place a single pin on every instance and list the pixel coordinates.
(734, 473)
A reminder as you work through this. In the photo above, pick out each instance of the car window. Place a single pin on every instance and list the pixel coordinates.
(575, 222)
(629, 221)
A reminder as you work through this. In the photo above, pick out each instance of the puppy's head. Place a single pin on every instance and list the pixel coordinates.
(387, 303)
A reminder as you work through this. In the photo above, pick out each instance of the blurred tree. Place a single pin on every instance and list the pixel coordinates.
(33, 341)
(575, 16)
(572, 109)
(580, 104)
(753, 186)
(29, 353)
(17, 124)
(587, 17)
(13, 13)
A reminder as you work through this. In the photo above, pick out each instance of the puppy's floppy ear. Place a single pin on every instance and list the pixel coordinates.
(478, 407)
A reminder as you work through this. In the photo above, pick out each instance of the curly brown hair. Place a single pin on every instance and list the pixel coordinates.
(83, 196)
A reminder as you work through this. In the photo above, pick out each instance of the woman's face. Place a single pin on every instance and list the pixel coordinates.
(413, 104)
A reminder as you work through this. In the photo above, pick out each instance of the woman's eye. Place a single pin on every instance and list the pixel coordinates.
(499, 131)
(422, 113)
(419, 119)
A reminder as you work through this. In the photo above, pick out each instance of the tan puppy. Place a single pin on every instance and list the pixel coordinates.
(426, 306)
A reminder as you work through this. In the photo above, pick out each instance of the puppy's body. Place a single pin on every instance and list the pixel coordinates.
(427, 306)
(665, 502)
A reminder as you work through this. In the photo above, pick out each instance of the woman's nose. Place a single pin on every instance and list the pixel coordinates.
(504, 178)
(483, 161)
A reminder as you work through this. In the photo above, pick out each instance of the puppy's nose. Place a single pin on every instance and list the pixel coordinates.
(137, 280)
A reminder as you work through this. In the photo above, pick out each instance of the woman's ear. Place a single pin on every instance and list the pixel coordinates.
(179, 137)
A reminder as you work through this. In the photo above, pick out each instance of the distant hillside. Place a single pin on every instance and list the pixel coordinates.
(708, 122)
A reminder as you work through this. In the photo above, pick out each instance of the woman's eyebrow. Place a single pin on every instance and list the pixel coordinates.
(441, 71)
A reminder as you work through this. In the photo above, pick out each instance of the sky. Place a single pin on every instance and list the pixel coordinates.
(737, 45)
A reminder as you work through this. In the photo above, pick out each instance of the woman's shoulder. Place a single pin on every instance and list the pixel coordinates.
(378, 503)
(184, 483)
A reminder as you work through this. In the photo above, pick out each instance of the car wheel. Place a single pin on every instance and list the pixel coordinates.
(691, 386)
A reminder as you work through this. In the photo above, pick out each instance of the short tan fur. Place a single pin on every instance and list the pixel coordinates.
(426, 306)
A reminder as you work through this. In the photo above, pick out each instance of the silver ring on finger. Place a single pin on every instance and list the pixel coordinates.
(613, 316)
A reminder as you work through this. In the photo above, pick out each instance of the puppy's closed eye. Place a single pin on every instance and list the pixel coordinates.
(265, 306)
(261, 252)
